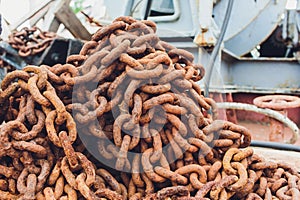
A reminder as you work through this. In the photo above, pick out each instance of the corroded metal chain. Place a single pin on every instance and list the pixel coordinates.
(125, 119)
(30, 41)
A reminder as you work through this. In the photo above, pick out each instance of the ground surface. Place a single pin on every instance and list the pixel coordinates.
(260, 132)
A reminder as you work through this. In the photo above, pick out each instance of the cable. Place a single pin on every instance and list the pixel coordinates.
(275, 145)
(135, 7)
(148, 8)
(216, 49)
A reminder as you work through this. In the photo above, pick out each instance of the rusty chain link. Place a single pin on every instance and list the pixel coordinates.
(125, 119)
(30, 41)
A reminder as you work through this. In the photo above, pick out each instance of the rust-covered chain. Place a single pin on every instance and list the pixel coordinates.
(126, 119)
(30, 41)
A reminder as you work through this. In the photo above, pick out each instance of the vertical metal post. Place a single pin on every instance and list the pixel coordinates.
(148, 9)
(205, 14)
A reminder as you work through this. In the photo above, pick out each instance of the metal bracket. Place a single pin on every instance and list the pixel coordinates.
(11, 56)
(58, 51)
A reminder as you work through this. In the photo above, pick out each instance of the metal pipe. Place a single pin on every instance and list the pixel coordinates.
(275, 145)
(169, 18)
(148, 9)
(268, 112)
(217, 47)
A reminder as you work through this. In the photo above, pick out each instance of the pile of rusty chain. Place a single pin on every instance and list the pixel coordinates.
(136, 100)
(30, 41)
